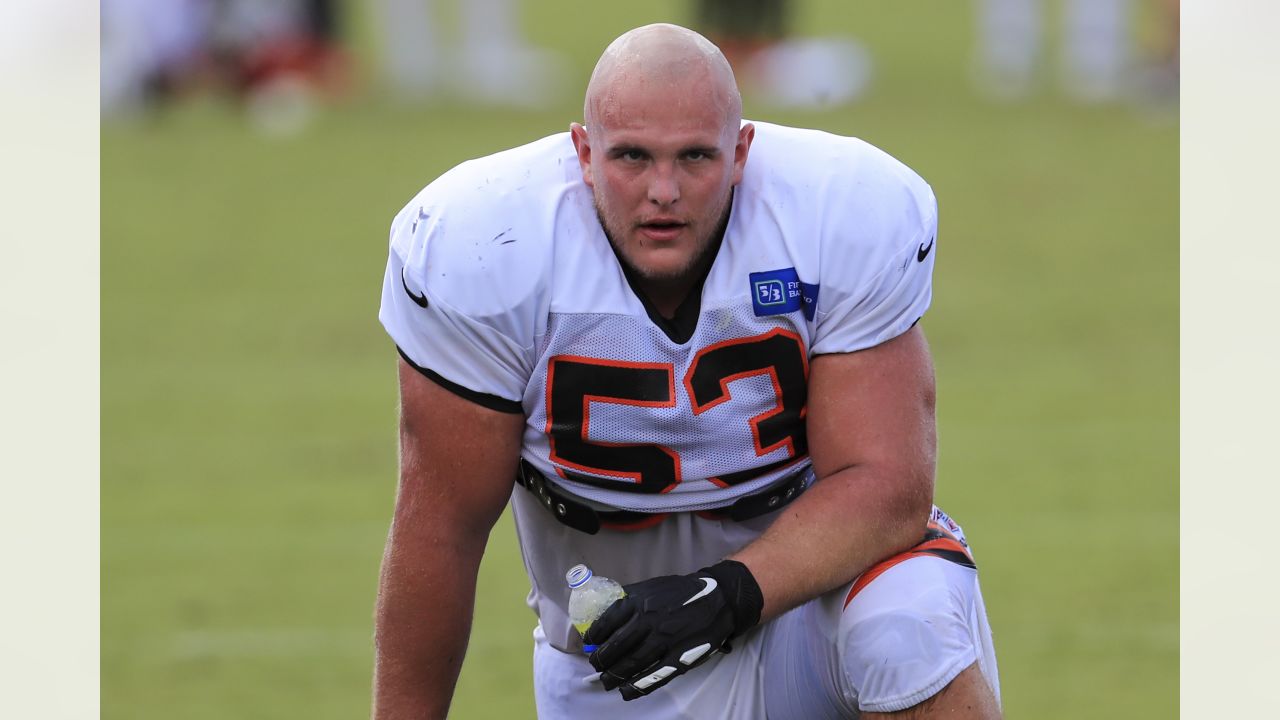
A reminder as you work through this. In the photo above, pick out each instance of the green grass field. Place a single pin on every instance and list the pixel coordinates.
(248, 394)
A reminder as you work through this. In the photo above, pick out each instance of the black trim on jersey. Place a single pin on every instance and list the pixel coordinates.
(954, 556)
(679, 328)
(737, 478)
(493, 402)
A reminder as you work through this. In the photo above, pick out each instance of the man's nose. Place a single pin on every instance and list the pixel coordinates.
(664, 188)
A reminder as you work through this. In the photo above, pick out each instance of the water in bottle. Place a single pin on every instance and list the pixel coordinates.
(589, 596)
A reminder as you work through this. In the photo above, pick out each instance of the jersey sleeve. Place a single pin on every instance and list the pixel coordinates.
(877, 264)
(449, 311)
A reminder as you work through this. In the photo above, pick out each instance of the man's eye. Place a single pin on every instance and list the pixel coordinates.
(695, 155)
(633, 155)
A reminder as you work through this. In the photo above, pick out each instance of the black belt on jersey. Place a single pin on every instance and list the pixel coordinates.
(587, 519)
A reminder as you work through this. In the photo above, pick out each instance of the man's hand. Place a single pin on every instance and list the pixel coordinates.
(668, 625)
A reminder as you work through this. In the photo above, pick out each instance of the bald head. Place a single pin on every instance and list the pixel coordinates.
(663, 148)
(662, 60)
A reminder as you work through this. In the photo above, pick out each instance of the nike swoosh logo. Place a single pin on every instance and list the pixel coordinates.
(711, 585)
(419, 300)
(923, 252)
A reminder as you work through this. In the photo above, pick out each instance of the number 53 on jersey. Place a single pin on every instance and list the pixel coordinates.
(575, 383)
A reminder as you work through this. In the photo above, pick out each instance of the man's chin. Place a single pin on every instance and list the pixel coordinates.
(660, 266)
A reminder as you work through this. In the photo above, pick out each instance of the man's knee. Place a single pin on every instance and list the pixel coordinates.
(909, 633)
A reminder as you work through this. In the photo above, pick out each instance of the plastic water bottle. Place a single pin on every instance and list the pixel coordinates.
(589, 596)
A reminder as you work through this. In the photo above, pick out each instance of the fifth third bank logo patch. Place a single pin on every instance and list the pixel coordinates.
(776, 292)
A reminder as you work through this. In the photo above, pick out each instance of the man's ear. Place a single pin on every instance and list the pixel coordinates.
(582, 144)
(745, 135)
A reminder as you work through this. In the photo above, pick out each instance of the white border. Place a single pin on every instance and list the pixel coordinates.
(1230, 357)
(49, 300)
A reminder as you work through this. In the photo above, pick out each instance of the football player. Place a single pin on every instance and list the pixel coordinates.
(685, 349)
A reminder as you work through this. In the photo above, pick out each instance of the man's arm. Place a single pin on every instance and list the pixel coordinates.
(872, 441)
(457, 467)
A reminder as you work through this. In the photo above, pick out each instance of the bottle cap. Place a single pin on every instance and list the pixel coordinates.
(578, 575)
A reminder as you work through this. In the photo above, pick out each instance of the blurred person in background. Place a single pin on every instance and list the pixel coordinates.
(685, 350)
(743, 28)
(262, 43)
(152, 50)
(275, 57)
(279, 58)
(773, 66)
(490, 61)
(1096, 48)
(1162, 73)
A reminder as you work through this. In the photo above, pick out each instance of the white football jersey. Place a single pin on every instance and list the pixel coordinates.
(502, 286)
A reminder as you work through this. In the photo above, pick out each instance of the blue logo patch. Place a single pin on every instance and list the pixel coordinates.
(777, 292)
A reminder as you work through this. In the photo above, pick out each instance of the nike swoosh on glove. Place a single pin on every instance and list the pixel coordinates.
(665, 626)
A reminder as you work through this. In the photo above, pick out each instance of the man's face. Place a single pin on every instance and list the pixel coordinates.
(662, 164)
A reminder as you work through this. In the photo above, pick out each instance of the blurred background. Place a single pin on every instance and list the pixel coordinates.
(253, 153)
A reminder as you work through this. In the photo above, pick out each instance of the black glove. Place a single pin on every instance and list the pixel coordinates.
(668, 625)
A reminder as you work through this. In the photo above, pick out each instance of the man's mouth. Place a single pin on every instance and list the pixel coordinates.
(662, 229)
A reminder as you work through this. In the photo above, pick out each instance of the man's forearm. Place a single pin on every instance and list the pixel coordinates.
(423, 622)
(841, 526)
(872, 441)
